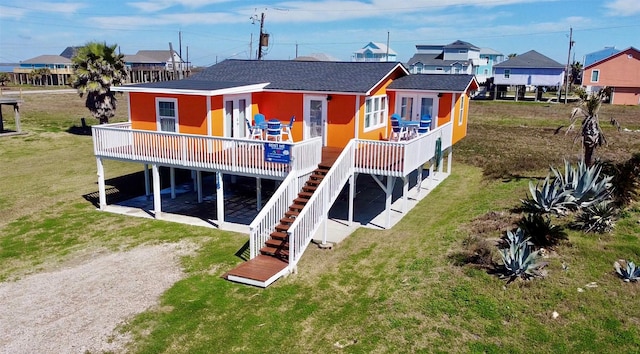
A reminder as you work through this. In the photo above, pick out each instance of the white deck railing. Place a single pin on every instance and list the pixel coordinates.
(243, 156)
(317, 208)
(399, 158)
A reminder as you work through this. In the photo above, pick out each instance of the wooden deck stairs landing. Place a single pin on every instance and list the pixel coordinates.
(273, 260)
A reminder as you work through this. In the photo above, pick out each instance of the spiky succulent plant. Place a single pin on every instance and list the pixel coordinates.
(599, 218)
(585, 184)
(518, 258)
(541, 230)
(627, 270)
(550, 197)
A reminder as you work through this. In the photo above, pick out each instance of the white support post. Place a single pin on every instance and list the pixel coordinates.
(326, 209)
(389, 192)
(449, 159)
(157, 200)
(352, 192)
(193, 179)
(419, 181)
(258, 193)
(172, 180)
(405, 192)
(440, 164)
(199, 185)
(147, 186)
(102, 194)
(432, 170)
(220, 198)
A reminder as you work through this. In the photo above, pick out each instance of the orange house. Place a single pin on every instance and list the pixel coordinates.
(620, 72)
(341, 128)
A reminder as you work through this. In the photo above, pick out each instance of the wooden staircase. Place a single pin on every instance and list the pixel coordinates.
(273, 260)
(278, 245)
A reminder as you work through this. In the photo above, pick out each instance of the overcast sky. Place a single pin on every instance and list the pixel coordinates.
(214, 30)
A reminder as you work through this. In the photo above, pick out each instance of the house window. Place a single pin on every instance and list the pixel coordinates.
(438, 69)
(461, 113)
(167, 114)
(486, 71)
(595, 75)
(507, 73)
(375, 109)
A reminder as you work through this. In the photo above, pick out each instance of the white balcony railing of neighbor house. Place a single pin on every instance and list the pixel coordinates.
(231, 155)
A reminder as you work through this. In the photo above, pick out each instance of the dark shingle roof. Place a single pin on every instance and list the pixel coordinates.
(433, 82)
(432, 60)
(292, 75)
(461, 44)
(47, 59)
(530, 60)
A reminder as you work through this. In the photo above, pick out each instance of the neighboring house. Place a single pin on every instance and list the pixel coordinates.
(202, 124)
(316, 57)
(374, 51)
(59, 67)
(528, 69)
(620, 72)
(155, 65)
(488, 58)
(599, 55)
(458, 57)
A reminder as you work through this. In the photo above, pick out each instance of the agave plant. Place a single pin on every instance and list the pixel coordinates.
(549, 198)
(541, 230)
(598, 218)
(518, 258)
(584, 183)
(628, 271)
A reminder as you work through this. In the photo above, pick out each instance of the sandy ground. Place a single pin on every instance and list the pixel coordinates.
(76, 309)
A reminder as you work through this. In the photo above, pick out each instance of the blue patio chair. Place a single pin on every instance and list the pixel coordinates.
(286, 129)
(274, 130)
(425, 124)
(254, 131)
(259, 120)
(397, 131)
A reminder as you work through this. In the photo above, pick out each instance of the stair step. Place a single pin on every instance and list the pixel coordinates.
(278, 235)
(305, 194)
(279, 244)
(324, 166)
(292, 213)
(301, 201)
(314, 182)
(296, 207)
(274, 252)
(282, 227)
(309, 188)
(287, 220)
(320, 171)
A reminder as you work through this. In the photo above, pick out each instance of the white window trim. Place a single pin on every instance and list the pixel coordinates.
(461, 110)
(593, 72)
(383, 111)
(507, 73)
(175, 105)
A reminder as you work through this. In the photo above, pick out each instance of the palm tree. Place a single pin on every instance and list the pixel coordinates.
(575, 74)
(96, 67)
(590, 132)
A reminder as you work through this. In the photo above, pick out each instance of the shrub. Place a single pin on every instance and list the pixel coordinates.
(541, 231)
(626, 180)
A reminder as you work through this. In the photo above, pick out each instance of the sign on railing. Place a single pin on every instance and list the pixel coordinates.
(277, 152)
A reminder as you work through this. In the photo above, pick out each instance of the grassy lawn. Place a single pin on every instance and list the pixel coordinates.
(397, 290)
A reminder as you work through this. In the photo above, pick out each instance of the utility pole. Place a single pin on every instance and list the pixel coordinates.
(261, 37)
(387, 59)
(566, 82)
(251, 47)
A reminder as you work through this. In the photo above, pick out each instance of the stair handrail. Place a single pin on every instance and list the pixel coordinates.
(317, 208)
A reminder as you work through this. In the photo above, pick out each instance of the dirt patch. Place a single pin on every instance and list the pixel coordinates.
(77, 308)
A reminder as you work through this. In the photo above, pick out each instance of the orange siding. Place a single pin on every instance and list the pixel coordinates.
(281, 106)
(192, 112)
(460, 130)
(622, 72)
(626, 95)
(341, 125)
(217, 116)
(444, 109)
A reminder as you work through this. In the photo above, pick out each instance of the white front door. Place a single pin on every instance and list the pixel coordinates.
(415, 106)
(315, 117)
(237, 109)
